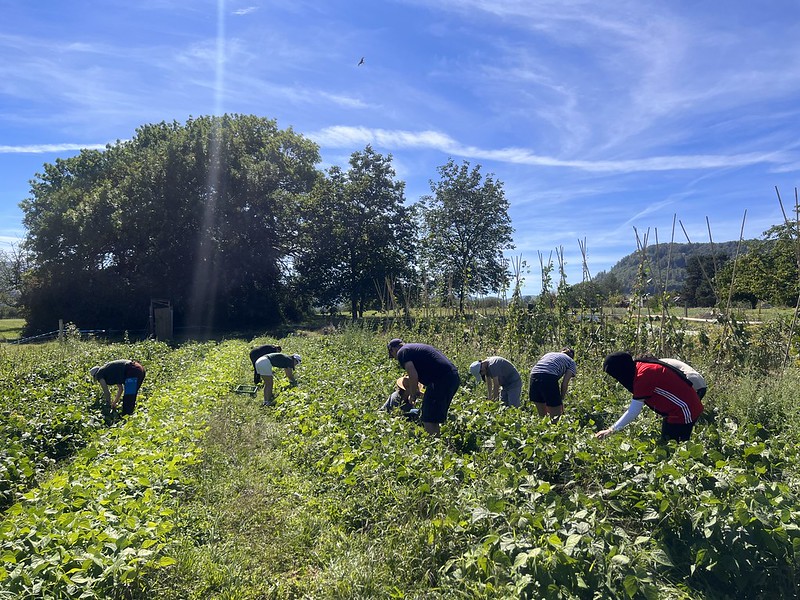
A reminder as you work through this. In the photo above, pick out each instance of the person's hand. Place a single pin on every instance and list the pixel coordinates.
(604, 433)
(293, 382)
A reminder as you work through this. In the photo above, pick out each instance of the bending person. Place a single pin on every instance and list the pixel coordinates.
(659, 387)
(426, 365)
(127, 375)
(502, 379)
(265, 365)
(544, 390)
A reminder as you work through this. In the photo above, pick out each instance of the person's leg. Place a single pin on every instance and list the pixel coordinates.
(552, 398)
(436, 402)
(264, 369)
(268, 379)
(555, 412)
(512, 395)
(680, 432)
(433, 429)
(535, 395)
(134, 376)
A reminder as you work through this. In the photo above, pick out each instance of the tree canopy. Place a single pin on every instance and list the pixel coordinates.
(465, 228)
(356, 233)
(203, 214)
(767, 271)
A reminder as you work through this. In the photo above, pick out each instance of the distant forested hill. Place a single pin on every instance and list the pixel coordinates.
(658, 259)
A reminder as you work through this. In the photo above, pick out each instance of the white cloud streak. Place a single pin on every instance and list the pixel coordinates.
(49, 148)
(346, 136)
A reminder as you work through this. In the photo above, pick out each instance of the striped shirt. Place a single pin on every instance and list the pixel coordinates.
(555, 363)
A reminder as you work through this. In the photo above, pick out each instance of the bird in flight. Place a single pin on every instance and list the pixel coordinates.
(361, 62)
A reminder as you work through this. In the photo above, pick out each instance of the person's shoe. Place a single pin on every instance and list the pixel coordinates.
(268, 403)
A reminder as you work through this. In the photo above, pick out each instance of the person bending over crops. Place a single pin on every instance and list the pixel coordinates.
(502, 379)
(660, 387)
(257, 353)
(401, 398)
(426, 365)
(127, 375)
(544, 390)
(266, 363)
(698, 381)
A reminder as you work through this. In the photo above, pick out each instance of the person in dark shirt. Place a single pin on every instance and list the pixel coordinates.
(257, 353)
(127, 375)
(426, 365)
(264, 366)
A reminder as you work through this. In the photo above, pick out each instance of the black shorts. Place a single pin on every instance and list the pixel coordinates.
(545, 389)
(676, 431)
(438, 396)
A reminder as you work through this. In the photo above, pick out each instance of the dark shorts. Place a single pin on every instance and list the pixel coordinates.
(134, 376)
(676, 431)
(437, 398)
(545, 389)
(701, 392)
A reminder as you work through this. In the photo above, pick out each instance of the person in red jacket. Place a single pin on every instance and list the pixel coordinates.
(661, 388)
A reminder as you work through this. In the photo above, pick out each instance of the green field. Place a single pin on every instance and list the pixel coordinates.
(11, 329)
(205, 494)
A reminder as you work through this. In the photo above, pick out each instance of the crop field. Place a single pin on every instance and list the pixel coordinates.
(204, 493)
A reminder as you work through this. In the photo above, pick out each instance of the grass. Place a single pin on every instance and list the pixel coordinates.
(255, 528)
(11, 329)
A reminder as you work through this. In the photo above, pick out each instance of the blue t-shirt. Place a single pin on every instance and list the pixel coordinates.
(430, 363)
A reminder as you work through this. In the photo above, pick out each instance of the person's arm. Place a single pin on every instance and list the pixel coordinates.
(565, 384)
(120, 389)
(290, 375)
(633, 411)
(106, 393)
(492, 387)
(413, 381)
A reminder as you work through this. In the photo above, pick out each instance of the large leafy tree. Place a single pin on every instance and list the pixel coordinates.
(13, 264)
(768, 271)
(203, 214)
(356, 233)
(465, 228)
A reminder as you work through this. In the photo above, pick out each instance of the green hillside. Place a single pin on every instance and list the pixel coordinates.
(666, 263)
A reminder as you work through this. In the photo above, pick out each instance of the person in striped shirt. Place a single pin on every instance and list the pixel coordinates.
(544, 390)
(661, 388)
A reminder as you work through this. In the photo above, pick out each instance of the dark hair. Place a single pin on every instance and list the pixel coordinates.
(568, 351)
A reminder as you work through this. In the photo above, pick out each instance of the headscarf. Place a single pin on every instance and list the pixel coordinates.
(621, 367)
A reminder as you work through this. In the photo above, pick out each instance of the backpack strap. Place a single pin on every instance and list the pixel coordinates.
(674, 369)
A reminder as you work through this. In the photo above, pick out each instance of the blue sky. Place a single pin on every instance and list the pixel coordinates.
(598, 116)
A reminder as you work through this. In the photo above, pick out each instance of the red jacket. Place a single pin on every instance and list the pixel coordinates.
(666, 392)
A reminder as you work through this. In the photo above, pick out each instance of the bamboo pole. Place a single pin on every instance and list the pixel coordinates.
(797, 259)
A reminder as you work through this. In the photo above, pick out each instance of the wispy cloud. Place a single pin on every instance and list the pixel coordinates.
(245, 11)
(49, 148)
(339, 136)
